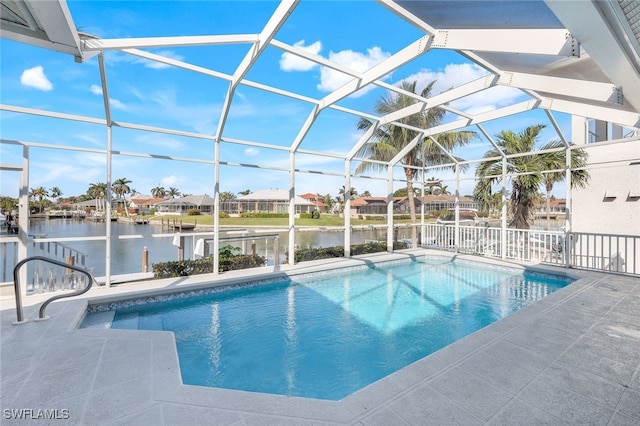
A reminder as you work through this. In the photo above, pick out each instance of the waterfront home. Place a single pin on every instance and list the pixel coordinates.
(143, 204)
(557, 209)
(182, 205)
(317, 201)
(273, 201)
(447, 202)
(373, 206)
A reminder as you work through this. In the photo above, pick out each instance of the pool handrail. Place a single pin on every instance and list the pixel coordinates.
(41, 312)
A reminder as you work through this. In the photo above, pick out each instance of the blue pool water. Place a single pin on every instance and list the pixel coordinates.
(326, 336)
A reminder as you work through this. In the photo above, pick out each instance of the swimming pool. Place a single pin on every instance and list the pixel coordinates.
(327, 335)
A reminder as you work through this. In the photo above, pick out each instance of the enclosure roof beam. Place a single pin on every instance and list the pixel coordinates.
(595, 91)
(617, 116)
(556, 42)
(99, 44)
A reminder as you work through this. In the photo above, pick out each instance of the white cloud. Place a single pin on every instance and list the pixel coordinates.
(290, 62)
(454, 75)
(96, 90)
(172, 181)
(160, 65)
(117, 104)
(331, 79)
(251, 152)
(34, 77)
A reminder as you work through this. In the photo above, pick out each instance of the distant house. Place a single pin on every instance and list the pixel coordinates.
(372, 206)
(557, 208)
(97, 204)
(376, 206)
(317, 201)
(143, 204)
(447, 202)
(182, 205)
(273, 201)
(65, 205)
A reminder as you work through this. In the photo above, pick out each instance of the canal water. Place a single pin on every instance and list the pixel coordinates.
(128, 242)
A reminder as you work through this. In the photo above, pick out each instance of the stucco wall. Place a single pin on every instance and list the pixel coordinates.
(605, 206)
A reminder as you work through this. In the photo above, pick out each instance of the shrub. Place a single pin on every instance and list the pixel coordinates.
(193, 212)
(223, 215)
(315, 214)
(379, 218)
(305, 215)
(228, 262)
(443, 213)
(263, 215)
(338, 251)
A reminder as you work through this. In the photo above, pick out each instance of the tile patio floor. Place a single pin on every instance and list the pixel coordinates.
(570, 359)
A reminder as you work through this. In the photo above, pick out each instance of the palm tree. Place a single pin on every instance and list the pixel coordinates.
(328, 200)
(56, 193)
(342, 194)
(525, 186)
(431, 185)
(41, 193)
(173, 193)
(389, 140)
(227, 196)
(97, 190)
(556, 161)
(121, 187)
(158, 192)
(442, 190)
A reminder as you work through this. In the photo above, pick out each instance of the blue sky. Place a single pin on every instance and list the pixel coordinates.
(355, 34)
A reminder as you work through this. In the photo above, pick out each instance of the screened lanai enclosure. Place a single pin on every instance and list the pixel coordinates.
(314, 96)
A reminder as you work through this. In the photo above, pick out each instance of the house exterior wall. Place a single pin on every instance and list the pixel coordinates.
(609, 205)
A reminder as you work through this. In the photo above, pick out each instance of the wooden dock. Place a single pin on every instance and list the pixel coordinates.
(178, 225)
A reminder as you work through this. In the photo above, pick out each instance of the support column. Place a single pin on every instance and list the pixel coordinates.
(23, 218)
(347, 208)
(107, 208)
(457, 208)
(503, 224)
(216, 207)
(568, 208)
(422, 223)
(292, 207)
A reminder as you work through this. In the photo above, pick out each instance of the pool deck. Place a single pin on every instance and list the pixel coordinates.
(571, 358)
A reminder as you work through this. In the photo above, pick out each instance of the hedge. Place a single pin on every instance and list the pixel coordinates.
(263, 215)
(228, 262)
(303, 255)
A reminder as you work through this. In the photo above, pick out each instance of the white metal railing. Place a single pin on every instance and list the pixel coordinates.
(605, 252)
(600, 252)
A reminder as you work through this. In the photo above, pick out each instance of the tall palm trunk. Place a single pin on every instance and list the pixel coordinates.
(549, 188)
(520, 206)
